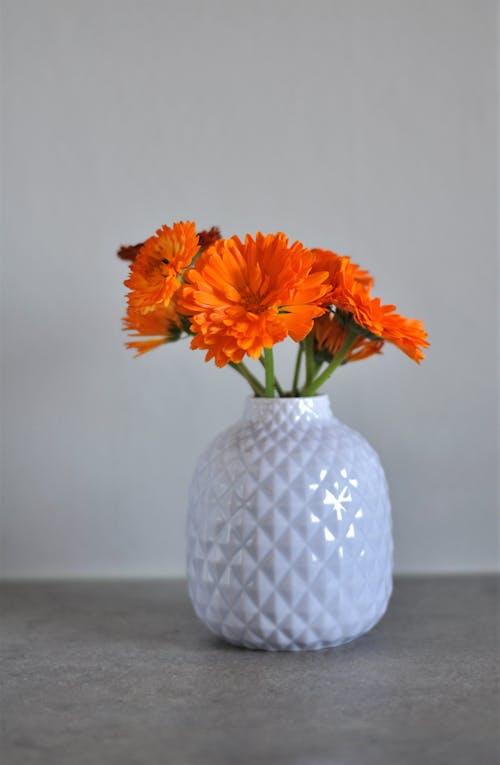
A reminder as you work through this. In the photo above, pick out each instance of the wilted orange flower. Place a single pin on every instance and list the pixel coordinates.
(208, 237)
(129, 251)
(159, 325)
(329, 335)
(154, 274)
(246, 296)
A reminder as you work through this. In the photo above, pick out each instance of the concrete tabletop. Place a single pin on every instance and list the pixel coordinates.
(122, 672)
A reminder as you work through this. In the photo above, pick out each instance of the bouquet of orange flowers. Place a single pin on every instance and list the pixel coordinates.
(239, 298)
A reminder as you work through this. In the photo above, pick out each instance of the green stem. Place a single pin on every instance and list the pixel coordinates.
(296, 373)
(269, 366)
(279, 389)
(257, 388)
(310, 365)
(311, 387)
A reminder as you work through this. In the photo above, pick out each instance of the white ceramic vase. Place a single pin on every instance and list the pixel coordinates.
(289, 529)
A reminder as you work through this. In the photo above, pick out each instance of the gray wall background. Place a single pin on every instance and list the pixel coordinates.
(369, 126)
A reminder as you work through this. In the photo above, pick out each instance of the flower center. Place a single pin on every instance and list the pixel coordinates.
(253, 303)
(166, 269)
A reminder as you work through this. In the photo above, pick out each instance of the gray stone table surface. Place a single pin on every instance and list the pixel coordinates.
(122, 672)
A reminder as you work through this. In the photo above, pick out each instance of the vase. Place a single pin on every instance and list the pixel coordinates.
(289, 529)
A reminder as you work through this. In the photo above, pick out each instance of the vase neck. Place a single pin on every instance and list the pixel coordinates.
(272, 410)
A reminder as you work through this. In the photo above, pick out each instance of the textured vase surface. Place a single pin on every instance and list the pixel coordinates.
(289, 529)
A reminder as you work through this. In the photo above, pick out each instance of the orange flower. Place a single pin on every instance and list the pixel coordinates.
(408, 335)
(329, 335)
(161, 324)
(154, 273)
(350, 294)
(351, 297)
(205, 239)
(246, 296)
(325, 260)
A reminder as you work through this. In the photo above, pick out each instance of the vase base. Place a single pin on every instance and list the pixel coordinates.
(291, 644)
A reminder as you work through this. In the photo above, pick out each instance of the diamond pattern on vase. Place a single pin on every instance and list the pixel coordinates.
(289, 530)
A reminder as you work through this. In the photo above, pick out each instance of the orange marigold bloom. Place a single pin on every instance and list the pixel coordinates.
(351, 297)
(154, 273)
(349, 292)
(159, 325)
(325, 260)
(246, 296)
(408, 335)
(205, 239)
(329, 335)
